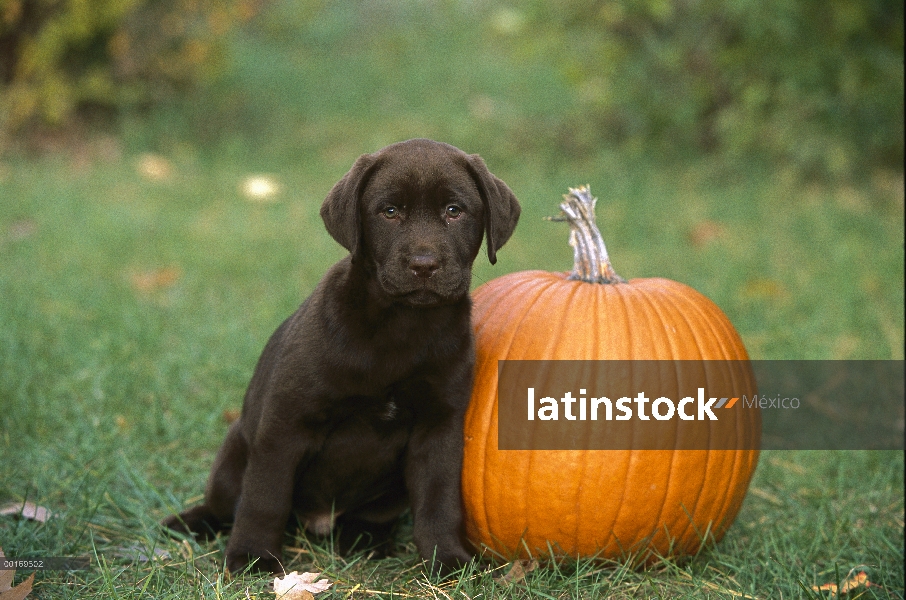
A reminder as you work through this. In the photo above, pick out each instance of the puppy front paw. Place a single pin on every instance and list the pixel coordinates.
(447, 561)
(237, 562)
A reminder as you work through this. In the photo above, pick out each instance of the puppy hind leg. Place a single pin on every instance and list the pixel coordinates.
(225, 482)
(197, 521)
(221, 493)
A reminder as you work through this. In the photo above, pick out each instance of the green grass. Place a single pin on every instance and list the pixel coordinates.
(132, 310)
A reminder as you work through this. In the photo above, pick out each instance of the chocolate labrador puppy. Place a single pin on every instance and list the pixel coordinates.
(355, 409)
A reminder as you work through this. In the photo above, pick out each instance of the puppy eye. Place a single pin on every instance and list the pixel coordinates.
(391, 212)
(453, 211)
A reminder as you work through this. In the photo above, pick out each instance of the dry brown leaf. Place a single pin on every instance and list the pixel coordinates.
(788, 465)
(26, 510)
(156, 279)
(848, 585)
(6, 576)
(300, 587)
(766, 495)
(518, 571)
(296, 595)
(705, 232)
(7, 591)
(20, 591)
(21, 230)
(764, 288)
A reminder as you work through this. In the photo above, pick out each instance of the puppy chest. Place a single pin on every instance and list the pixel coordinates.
(360, 456)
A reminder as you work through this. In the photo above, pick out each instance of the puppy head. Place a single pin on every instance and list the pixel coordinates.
(414, 213)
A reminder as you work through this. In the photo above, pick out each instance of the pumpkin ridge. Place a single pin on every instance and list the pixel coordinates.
(480, 310)
(726, 330)
(682, 535)
(728, 499)
(646, 298)
(477, 490)
(675, 454)
(655, 318)
(531, 291)
(621, 300)
(485, 309)
(712, 314)
(487, 317)
(666, 293)
(489, 295)
(599, 309)
(624, 320)
(552, 349)
(492, 414)
(665, 300)
(732, 503)
(578, 296)
(711, 465)
(744, 429)
(600, 312)
(714, 319)
(526, 481)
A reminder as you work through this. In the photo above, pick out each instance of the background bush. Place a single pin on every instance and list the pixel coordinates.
(814, 86)
(813, 82)
(59, 56)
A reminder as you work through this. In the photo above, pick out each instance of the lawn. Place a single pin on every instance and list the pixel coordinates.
(138, 284)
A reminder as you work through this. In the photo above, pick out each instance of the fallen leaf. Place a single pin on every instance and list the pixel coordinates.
(21, 230)
(300, 587)
(765, 495)
(7, 591)
(231, 414)
(849, 584)
(260, 188)
(787, 465)
(297, 595)
(518, 571)
(154, 167)
(20, 591)
(156, 279)
(26, 510)
(6, 576)
(705, 232)
(763, 288)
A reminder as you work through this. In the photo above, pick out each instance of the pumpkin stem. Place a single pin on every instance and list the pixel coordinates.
(591, 262)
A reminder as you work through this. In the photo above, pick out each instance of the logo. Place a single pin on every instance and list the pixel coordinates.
(661, 409)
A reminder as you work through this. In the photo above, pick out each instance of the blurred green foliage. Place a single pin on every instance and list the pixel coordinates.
(59, 56)
(815, 83)
(811, 86)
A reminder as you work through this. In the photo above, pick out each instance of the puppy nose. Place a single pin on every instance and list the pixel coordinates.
(423, 265)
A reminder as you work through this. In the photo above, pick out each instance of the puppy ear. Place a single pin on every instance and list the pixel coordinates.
(501, 208)
(340, 210)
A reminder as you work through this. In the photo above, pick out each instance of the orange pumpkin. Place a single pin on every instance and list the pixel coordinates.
(608, 503)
